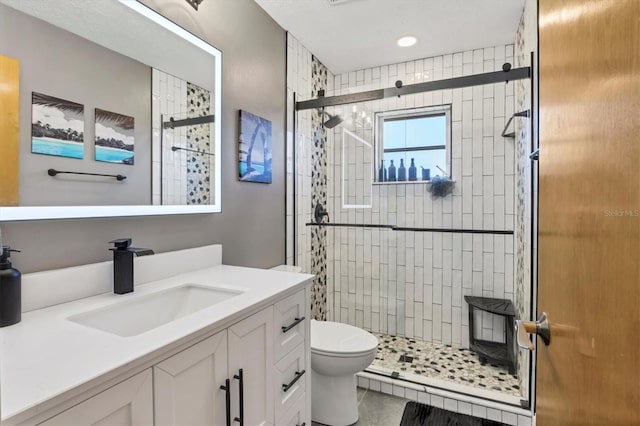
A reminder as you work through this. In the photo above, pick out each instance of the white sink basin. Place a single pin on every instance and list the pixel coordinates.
(144, 313)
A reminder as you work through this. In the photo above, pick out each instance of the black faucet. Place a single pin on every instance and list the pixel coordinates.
(123, 264)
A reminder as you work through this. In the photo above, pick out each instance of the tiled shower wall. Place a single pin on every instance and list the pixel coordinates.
(180, 178)
(199, 166)
(169, 98)
(404, 282)
(307, 147)
(526, 193)
(413, 283)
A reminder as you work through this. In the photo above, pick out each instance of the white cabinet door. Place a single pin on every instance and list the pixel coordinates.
(251, 349)
(187, 385)
(127, 403)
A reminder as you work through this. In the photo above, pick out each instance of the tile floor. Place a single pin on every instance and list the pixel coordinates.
(416, 358)
(378, 409)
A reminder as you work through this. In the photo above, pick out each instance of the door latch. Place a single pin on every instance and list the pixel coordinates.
(540, 327)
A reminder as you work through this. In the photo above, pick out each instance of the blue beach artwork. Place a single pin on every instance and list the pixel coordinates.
(254, 149)
(57, 147)
(114, 137)
(57, 127)
(112, 155)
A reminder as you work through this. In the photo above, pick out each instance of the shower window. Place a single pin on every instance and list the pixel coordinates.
(418, 137)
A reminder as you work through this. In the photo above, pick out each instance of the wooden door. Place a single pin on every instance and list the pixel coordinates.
(251, 349)
(126, 404)
(187, 385)
(589, 235)
(9, 130)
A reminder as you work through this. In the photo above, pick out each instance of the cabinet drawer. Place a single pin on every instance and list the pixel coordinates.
(291, 375)
(297, 414)
(290, 327)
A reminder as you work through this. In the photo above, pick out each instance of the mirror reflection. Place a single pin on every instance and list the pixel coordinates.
(110, 117)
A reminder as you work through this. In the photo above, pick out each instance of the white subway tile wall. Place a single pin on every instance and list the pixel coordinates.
(169, 98)
(299, 141)
(413, 283)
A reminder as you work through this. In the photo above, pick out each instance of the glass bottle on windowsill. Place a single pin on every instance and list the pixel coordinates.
(402, 171)
(413, 171)
(392, 172)
(382, 173)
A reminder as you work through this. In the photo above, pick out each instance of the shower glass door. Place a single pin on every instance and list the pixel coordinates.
(397, 261)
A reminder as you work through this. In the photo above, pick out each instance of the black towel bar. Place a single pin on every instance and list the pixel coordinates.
(54, 172)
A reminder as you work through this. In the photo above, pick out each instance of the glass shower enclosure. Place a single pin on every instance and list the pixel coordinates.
(397, 260)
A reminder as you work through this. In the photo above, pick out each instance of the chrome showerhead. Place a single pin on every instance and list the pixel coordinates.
(333, 120)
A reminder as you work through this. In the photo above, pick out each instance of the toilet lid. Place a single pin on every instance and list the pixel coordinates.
(338, 338)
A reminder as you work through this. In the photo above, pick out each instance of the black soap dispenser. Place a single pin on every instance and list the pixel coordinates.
(10, 290)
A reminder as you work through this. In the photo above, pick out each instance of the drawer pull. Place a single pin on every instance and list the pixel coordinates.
(293, 324)
(303, 424)
(288, 386)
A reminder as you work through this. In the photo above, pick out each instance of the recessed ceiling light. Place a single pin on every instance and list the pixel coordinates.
(407, 41)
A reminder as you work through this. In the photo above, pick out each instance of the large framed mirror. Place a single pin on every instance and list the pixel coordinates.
(119, 112)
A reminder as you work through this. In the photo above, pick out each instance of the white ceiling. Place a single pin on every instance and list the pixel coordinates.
(354, 34)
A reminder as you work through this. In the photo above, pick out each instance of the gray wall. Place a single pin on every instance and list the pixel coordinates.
(251, 225)
(57, 63)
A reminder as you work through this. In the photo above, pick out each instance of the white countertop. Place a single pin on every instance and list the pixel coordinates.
(46, 356)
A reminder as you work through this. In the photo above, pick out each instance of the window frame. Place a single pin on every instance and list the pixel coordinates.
(399, 114)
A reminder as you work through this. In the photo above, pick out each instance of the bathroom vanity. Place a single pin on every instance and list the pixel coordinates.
(214, 345)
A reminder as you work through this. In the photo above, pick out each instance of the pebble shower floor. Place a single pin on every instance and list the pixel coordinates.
(426, 359)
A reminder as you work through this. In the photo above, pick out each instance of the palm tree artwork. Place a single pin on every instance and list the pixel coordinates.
(254, 148)
(57, 127)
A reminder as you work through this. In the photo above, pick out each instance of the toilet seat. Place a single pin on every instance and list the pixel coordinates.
(340, 340)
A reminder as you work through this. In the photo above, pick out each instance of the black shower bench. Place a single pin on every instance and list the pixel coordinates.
(493, 352)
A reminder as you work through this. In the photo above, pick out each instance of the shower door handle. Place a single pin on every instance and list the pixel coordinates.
(540, 327)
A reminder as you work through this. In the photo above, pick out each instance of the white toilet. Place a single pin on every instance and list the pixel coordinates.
(338, 352)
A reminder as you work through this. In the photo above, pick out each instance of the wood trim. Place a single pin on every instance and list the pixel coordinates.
(9, 130)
